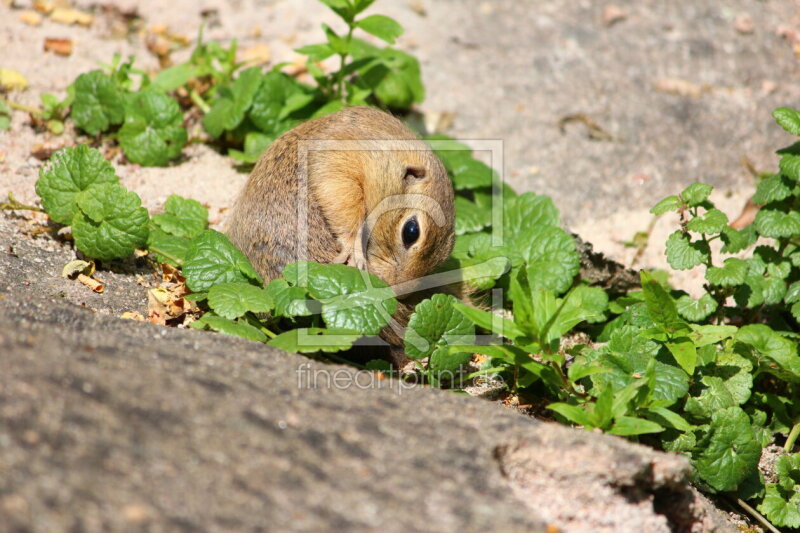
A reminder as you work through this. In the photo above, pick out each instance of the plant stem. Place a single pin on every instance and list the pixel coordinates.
(198, 101)
(21, 107)
(792, 438)
(755, 514)
(14, 205)
(340, 74)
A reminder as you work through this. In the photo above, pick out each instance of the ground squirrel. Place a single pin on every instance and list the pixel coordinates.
(381, 201)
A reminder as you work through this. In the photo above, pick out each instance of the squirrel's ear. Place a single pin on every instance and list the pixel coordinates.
(415, 173)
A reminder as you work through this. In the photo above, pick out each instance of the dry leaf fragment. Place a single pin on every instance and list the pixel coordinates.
(73, 268)
(613, 14)
(2, 156)
(11, 80)
(417, 7)
(256, 55)
(31, 18)
(132, 315)
(69, 16)
(159, 29)
(82, 271)
(744, 23)
(43, 6)
(62, 47)
(681, 87)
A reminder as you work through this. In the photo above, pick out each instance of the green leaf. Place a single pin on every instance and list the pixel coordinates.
(660, 305)
(98, 104)
(229, 327)
(70, 171)
(182, 217)
(714, 397)
(234, 100)
(772, 189)
(234, 299)
(790, 162)
(696, 193)
(696, 310)
(167, 248)
(731, 274)
(670, 203)
(444, 361)
(573, 413)
(316, 52)
(469, 217)
(175, 76)
(436, 323)
(213, 259)
(289, 301)
(628, 356)
(793, 293)
(382, 27)
(776, 223)
(713, 221)
(774, 353)
(311, 340)
(631, 425)
(351, 298)
(737, 240)
(110, 223)
(781, 506)
(153, 131)
(394, 76)
(683, 254)
(270, 110)
(489, 321)
(684, 352)
(788, 469)
(788, 119)
(711, 334)
(551, 258)
(732, 452)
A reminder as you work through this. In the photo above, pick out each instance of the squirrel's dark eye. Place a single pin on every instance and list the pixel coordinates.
(410, 232)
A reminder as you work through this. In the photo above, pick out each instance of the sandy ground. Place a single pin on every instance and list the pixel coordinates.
(606, 204)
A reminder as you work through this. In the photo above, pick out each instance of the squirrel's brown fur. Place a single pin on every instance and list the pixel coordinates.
(357, 196)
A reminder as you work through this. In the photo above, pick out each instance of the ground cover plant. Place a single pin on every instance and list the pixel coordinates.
(714, 378)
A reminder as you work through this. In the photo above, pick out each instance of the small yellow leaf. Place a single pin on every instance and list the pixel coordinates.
(11, 80)
(31, 18)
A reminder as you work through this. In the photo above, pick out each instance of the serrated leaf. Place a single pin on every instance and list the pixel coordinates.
(772, 189)
(213, 259)
(269, 110)
(229, 327)
(781, 506)
(670, 203)
(469, 217)
(289, 301)
(98, 103)
(696, 193)
(232, 300)
(311, 340)
(628, 356)
(788, 119)
(793, 293)
(444, 361)
(737, 240)
(153, 131)
(696, 310)
(436, 323)
(789, 164)
(70, 171)
(382, 27)
(110, 222)
(776, 223)
(774, 353)
(713, 221)
(550, 256)
(393, 75)
(714, 397)
(234, 100)
(182, 217)
(732, 452)
(731, 274)
(683, 254)
(351, 298)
